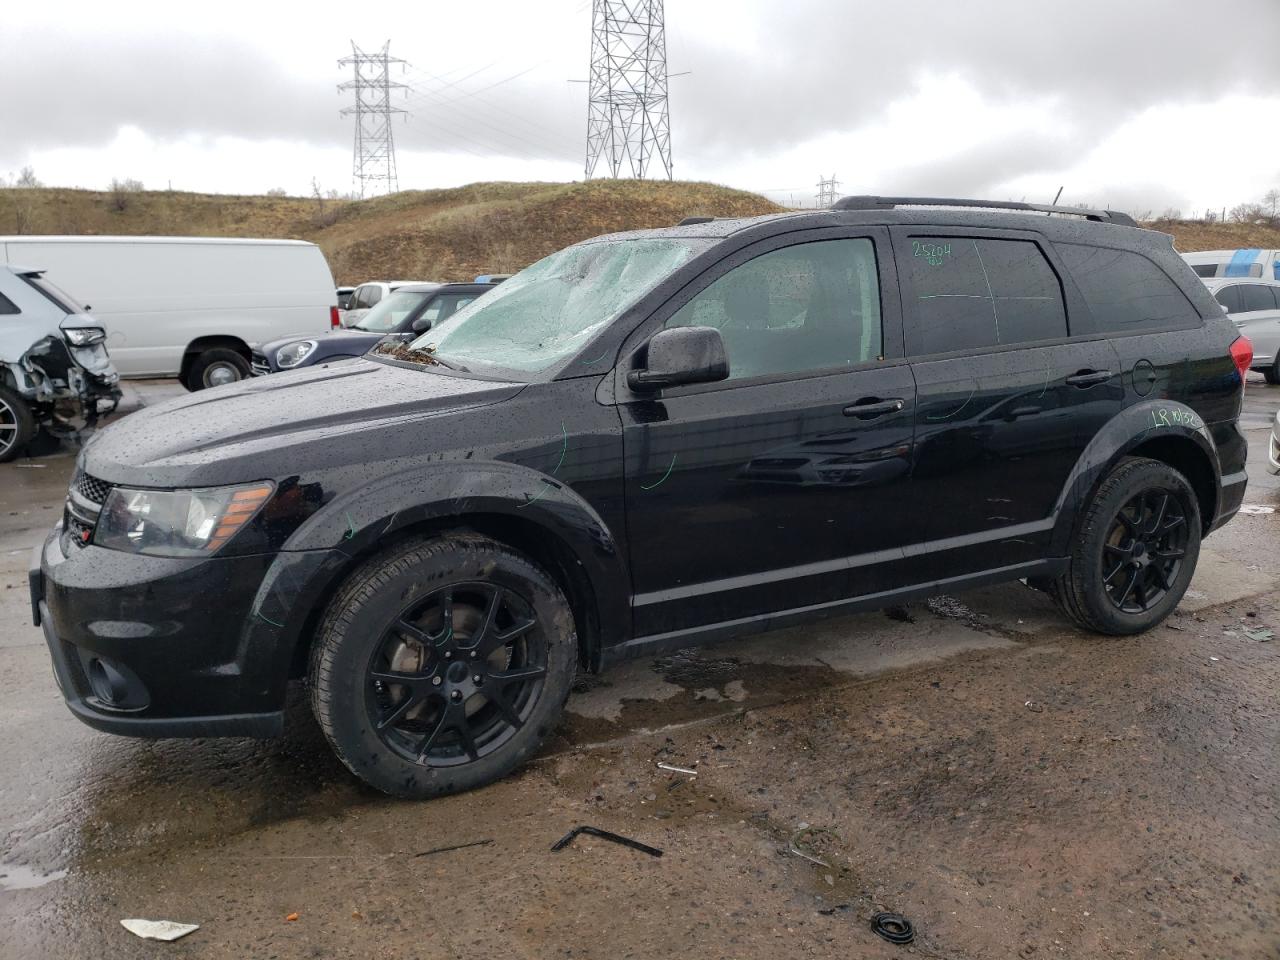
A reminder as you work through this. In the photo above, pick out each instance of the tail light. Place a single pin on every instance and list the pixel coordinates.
(335, 321)
(1242, 356)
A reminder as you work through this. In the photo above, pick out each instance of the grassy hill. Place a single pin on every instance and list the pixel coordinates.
(416, 234)
(443, 234)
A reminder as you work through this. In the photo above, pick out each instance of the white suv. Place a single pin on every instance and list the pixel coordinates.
(1254, 307)
(367, 295)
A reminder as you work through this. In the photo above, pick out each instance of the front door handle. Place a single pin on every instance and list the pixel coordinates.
(1089, 378)
(871, 407)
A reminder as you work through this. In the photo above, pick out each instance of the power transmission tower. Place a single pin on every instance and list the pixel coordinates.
(828, 192)
(374, 157)
(627, 124)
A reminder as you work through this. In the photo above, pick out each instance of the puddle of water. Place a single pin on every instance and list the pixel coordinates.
(15, 876)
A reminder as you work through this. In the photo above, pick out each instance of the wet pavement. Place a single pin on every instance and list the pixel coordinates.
(1015, 787)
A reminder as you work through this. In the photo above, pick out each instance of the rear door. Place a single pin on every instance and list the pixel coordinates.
(1255, 310)
(1006, 399)
(782, 487)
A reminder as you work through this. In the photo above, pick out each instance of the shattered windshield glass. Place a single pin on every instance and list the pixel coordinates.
(548, 311)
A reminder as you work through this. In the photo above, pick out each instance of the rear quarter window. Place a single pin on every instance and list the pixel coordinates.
(7, 306)
(1126, 292)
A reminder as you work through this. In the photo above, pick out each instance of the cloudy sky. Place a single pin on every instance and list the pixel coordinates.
(1138, 104)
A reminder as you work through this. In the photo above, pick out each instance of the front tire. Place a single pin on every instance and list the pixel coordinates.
(1134, 550)
(215, 367)
(442, 665)
(17, 425)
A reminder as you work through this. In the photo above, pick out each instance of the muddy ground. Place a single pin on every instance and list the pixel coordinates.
(1013, 786)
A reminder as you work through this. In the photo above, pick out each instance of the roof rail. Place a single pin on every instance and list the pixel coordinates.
(689, 221)
(889, 203)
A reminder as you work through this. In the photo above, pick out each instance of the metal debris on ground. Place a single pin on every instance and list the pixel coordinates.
(456, 846)
(1256, 509)
(893, 927)
(674, 769)
(1261, 636)
(159, 929)
(605, 835)
(1034, 707)
(794, 847)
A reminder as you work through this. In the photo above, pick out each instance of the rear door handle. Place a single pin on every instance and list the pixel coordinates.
(1088, 378)
(870, 408)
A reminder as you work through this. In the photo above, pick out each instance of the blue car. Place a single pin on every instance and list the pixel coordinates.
(407, 312)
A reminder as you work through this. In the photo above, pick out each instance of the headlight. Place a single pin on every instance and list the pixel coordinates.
(177, 523)
(84, 336)
(292, 354)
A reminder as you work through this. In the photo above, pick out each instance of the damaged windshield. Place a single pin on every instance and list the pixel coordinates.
(548, 311)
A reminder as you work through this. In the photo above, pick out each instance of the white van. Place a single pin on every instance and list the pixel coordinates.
(1255, 263)
(188, 307)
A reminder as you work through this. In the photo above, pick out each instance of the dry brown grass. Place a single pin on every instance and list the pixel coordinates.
(417, 234)
(449, 234)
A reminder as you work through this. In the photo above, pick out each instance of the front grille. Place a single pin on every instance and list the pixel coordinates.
(258, 365)
(91, 488)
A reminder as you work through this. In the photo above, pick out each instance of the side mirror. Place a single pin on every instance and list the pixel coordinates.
(421, 325)
(682, 355)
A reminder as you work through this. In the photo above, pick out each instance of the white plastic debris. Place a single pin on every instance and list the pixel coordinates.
(1255, 509)
(159, 929)
(674, 769)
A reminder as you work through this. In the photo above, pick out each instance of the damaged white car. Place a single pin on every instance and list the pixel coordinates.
(54, 368)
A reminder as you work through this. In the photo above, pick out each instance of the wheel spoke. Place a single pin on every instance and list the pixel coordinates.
(412, 631)
(1128, 587)
(1162, 576)
(426, 743)
(1173, 524)
(517, 675)
(1112, 575)
(1164, 505)
(1140, 590)
(1170, 554)
(389, 676)
(396, 714)
(508, 712)
(464, 733)
(518, 630)
(446, 619)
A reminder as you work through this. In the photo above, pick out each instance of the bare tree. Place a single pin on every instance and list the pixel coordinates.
(1170, 213)
(1271, 198)
(1246, 213)
(277, 192)
(27, 179)
(122, 192)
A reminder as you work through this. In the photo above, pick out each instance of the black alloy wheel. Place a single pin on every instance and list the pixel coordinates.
(457, 674)
(442, 664)
(1133, 549)
(1144, 551)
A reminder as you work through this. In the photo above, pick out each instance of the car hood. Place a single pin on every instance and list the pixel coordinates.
(358, 413)
(332, 342)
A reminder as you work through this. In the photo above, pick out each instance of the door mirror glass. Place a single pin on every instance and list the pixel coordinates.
(680, 355)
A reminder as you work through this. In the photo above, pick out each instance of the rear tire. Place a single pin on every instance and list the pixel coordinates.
(1134, 550)
(442, 665)
(215, 367)
(17, 425)
(1272, 373)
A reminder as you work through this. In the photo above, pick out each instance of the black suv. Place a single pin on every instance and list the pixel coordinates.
(408, 310)
(643, 442)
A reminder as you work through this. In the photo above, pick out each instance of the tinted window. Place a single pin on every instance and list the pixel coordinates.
(446, 305)
(1126, 291)
(1257, 297)
(7, 305)
(812, 306)
(968, 293)
(1232, 298)
(1205, 269)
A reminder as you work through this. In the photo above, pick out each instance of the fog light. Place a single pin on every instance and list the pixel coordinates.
(108, 684)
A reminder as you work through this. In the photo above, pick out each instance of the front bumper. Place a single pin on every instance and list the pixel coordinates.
(172, 647)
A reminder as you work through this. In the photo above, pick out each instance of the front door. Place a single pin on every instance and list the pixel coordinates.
(1007, 401)
(781, 487)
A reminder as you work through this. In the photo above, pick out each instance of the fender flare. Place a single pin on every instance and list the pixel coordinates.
(1124, 433)
(352, 525)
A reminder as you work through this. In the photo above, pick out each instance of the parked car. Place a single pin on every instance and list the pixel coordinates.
(369, 295)
(409, 310)
(54, 368)
(1257, 263)
(1273, 448)
(567, 474)
(188, 307)
(344, 297)
(1254, 307)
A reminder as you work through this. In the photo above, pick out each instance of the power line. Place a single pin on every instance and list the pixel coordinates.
(374, 154)
(627, 122)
